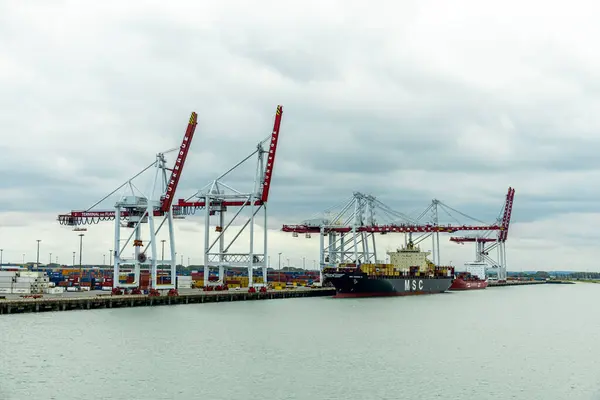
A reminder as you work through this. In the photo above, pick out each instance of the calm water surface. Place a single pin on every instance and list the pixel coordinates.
(536, 342)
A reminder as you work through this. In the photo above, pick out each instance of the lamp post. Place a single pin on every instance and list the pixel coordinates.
(303, 262)
(279, 268)
(162, 255)
(80, 248)
(182, 260)
(110, 256)
(1, 251)
(37, 262)
(73, 258)
(103, 259)
(23, 258)
(50, 259)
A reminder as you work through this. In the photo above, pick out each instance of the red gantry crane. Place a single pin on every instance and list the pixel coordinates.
(131, 211)
(483, 244)
(217, 197)
(351, 230)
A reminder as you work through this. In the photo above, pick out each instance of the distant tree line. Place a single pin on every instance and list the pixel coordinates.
(561, 274)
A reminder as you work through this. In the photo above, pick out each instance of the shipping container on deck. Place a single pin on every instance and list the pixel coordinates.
(197, 276)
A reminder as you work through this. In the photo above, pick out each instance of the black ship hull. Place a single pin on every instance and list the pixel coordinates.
(359, 284)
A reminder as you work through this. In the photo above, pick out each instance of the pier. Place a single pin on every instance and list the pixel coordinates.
(87, 301)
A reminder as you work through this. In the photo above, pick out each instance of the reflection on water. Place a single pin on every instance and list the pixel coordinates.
(534, 342)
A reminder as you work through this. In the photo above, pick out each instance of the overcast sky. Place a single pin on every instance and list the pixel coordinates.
(409, 102)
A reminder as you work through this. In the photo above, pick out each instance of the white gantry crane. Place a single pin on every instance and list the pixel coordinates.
(217, 198)
(350, 232)
(485, 244)
(132, 210)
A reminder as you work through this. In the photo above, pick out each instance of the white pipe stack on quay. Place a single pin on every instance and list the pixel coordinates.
(7, 279)
(23, 282)
(55, 290)
(184, 282)
(23, 285)
(27, 282)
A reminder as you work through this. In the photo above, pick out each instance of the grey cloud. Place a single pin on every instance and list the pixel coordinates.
(354, 119)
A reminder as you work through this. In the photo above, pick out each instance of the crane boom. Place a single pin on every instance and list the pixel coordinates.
(186, 207)
(504, 223)
(86, 217)
(179, 163)
(465, 239)
(390, 228)
(271, 155)
(510, 196)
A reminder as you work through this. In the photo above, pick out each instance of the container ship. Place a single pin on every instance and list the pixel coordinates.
(472, 278)
(409, 273)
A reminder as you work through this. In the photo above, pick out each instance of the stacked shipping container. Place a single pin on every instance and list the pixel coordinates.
(71, 279)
